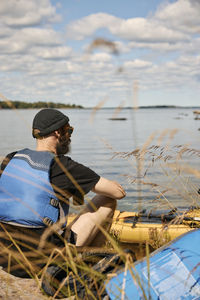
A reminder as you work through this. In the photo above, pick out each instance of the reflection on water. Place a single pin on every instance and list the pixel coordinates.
(103, 145)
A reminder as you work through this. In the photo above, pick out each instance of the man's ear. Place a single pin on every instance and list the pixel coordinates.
(56, 133)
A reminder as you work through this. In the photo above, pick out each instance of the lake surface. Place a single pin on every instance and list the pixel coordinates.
(169, 137)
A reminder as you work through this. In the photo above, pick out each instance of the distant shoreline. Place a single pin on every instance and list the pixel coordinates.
(35, 105)
(151, 106)
(166, 106)
(42, 104)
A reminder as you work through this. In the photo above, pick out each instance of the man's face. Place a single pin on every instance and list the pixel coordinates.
(63, 145)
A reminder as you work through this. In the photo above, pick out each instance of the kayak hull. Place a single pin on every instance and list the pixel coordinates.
(142, 233)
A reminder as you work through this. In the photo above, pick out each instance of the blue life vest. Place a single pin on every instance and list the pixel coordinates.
(26, 194)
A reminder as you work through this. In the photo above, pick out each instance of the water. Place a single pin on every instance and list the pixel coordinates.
(99, 143)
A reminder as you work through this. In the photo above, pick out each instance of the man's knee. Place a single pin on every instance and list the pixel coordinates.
(99, 212)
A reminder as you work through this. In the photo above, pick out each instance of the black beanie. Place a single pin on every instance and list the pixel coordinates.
(48, 120)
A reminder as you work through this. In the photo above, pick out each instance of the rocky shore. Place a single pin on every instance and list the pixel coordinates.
(12, 287)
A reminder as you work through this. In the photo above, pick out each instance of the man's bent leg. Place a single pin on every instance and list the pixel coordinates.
(98, 213)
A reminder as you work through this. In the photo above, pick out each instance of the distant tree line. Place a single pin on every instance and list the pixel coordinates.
(39, 104)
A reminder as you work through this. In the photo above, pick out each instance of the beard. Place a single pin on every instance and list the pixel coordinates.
(63, 146)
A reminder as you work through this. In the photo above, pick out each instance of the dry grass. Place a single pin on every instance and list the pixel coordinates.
(169, 159)
(158, 155)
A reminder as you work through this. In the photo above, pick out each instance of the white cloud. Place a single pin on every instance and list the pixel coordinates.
(159, 46)
(122, 47)
(137, 29)
(27, 13)
(160, 51)
(140, 29)
(24, 39)
(86, 26)
(73, 66)
(100, 57)
(5, 31)
(39, 36)
(183, 15)
(54, 53)
(137, 63)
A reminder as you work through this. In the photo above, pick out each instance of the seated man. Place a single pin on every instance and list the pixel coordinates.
(35, 187)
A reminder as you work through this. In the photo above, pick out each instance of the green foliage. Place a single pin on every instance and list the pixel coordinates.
(38, 104)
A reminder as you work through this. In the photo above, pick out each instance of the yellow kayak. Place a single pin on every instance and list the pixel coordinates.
(128, 230)
(155, 229)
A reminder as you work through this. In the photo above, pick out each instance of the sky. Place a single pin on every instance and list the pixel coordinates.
(101, 53)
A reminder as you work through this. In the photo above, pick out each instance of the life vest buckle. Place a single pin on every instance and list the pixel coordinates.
(47, 221)
(54, 202)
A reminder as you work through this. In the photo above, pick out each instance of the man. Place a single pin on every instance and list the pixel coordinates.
(35, 187)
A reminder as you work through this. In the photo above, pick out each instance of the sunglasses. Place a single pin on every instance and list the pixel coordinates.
(69, 130)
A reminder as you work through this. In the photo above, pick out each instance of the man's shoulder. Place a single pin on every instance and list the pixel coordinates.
(67, 162)
(11, 154)
(62, 158)
(6, 159)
